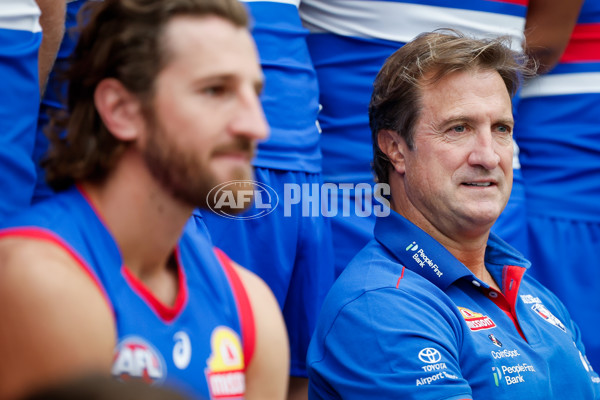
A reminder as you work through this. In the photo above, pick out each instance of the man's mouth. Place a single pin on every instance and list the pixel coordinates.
(478, 184)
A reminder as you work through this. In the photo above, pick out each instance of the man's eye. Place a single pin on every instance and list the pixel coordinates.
(458, 129)
(214, 90)
(504, 130)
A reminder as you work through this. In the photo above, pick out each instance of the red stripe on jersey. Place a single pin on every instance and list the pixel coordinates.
(166, 313)
(584, 44)
(243, 304)
(42, 234)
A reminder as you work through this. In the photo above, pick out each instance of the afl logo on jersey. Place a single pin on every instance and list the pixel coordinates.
(225, 366)
(136, 359)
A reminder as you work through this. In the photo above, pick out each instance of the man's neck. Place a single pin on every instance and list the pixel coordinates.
(145, 220)
(468, 246)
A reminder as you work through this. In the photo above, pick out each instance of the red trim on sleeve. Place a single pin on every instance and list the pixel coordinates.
(36, 233)
(243, 304)
(166, 313)
(584, 44)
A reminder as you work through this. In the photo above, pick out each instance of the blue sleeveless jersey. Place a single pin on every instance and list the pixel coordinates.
(20, 38)
(200, 345)
(291, 94)
(558, 128)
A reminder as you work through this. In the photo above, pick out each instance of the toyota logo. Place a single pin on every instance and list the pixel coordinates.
(429, 355)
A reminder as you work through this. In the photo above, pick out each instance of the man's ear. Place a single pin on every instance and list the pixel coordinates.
(394, 147)
(119, 109)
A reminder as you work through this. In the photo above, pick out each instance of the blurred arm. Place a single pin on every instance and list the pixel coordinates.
(52, 21)
(548, 27)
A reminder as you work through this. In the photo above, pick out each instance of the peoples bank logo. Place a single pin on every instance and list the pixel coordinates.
(247, 199)
(497, 375)
(413, 246)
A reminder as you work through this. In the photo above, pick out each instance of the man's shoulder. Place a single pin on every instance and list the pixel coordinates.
(374, 267)
(35, 264)
(53, 309)
(377, 275)
(49, 241)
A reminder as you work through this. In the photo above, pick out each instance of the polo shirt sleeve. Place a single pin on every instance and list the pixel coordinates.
(389, 344)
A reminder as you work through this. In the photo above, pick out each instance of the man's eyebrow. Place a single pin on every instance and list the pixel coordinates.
(506, 121)
(453, 119)
(259, 83)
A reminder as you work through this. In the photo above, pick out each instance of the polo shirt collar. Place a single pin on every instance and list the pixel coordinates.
(421, 253)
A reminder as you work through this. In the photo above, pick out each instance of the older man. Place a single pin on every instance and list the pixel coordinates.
(436, 306)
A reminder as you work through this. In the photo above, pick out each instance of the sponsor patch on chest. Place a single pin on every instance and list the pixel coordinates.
(476, 321)
(225, 366)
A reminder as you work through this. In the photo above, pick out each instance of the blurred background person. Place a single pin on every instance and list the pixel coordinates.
(558, 131)
(293, 254)
(104, 275)
(20, 39)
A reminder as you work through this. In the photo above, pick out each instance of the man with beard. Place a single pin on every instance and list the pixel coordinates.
(103, 277)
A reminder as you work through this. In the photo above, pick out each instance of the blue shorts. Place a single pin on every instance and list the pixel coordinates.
(19, 104)
(292, 254)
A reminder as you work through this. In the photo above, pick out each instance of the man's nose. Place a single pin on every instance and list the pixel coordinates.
(484, 151)
(249, 120)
